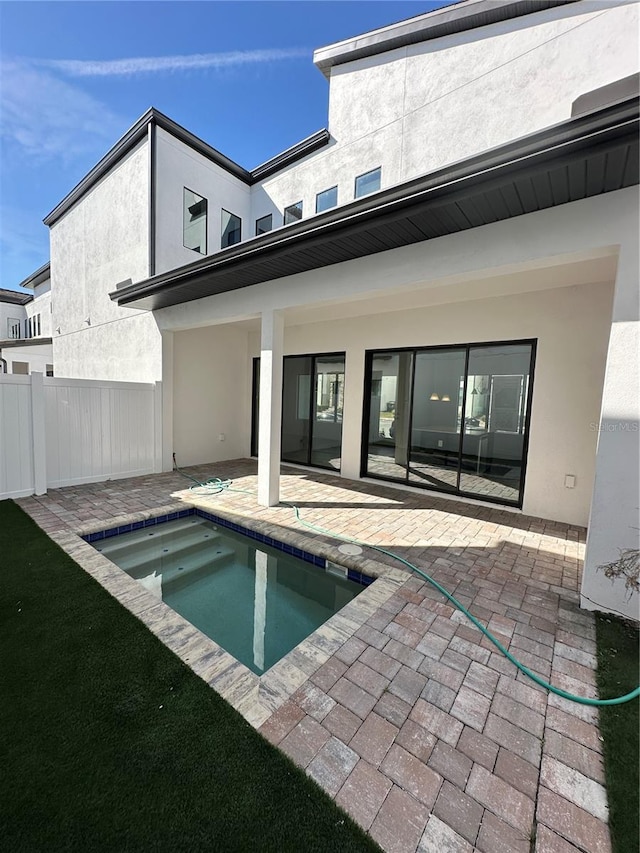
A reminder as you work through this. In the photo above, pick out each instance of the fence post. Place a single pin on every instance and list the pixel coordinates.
(39, 434)
(157, 428)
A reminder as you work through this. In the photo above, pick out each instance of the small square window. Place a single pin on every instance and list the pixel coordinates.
(293, 213)
(49, 369)
(231, 229)
(194, 223)
(326, 199)
(368, 183)
(264, 224)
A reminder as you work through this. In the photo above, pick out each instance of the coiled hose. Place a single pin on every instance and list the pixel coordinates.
(215, 485)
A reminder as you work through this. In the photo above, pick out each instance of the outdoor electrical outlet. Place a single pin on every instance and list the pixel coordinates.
(440, 442)
(221, 437)
(569, 481)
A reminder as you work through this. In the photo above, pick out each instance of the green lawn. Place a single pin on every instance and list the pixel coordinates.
(618, 674)
(110, 743)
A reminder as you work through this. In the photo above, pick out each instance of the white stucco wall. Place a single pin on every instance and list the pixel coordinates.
(36, 357)
(452, 97)
(210, 395)
(41, 305)
(101, 241)
(571, 325)
(416, 109)
(8, 311)
(614, 526)
(440, 283)
(177, 167)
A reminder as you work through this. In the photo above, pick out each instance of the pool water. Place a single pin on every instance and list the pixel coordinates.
(255, 601)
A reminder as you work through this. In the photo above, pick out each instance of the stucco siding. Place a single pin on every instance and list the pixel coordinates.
(571, 325)
(101, 241)
(177, 167)
(210, 395)
(456, 96)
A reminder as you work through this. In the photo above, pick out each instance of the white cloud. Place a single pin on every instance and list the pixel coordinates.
(46, 118)
(160, 64)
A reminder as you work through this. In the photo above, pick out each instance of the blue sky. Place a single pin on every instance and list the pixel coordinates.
(74, 76)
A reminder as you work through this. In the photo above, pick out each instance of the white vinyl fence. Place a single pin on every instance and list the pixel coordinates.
(61, 432)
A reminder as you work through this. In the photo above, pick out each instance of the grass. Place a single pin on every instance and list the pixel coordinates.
(110, 743)
(617, 643)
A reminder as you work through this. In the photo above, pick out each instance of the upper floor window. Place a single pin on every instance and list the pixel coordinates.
(194, 223)
(264, 224)
(293, 213)
(368, 183)
(326, 199)
(13, 329)
(231, 229)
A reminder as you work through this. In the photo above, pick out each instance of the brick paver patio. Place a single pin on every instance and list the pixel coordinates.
(416, 724)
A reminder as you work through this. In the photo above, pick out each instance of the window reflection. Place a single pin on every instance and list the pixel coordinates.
(451, 418)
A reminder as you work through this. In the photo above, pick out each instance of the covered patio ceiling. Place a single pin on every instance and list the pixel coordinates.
(585, 156)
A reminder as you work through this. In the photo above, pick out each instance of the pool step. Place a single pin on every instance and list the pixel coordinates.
(171, 535)
(161, 553)
(159, 579)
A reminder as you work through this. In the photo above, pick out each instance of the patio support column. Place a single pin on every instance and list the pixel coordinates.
(270, 416)
(613, 537)
(167, 401)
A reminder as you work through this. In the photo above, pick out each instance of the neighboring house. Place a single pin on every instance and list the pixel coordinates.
(25, 326)
(442, 288)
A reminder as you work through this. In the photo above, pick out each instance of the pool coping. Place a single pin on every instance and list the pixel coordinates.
(255, 697)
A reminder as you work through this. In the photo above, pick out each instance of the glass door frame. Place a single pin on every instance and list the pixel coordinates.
(255, 396)
(366, 416)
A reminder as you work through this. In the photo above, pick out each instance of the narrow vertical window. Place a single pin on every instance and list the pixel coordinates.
(293, 213)
(231, 229)
(38, 332)
(368, 183)
(264, 224)
(194, 223)
(326, 199)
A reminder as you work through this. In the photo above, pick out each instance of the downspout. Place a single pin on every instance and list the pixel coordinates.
(151, 133)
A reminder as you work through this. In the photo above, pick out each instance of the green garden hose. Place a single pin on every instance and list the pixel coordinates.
(215, 485)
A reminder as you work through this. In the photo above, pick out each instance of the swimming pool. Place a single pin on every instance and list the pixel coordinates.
(254, 596)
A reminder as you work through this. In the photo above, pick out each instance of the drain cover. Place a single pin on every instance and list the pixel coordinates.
(351, 550)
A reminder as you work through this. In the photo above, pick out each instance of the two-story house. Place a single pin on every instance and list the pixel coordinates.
(440, 290)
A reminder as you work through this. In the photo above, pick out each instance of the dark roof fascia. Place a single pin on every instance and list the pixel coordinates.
(306, 146)
(199, 145)
(14, 297)
(454, 18)
(556, 141)
(25, 342)
(138, 131)
(122, 147)
(127, 142)
(37, 277)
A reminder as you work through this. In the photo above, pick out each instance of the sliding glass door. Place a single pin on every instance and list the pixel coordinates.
(453, 419)
(312, 404)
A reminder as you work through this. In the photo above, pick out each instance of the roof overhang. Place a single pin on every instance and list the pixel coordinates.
(41, 274)
(584, 156)
(25, 342)
(14, 297)
(454, 18)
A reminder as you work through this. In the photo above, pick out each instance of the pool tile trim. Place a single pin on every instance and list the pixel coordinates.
(255, 697)
(315, 560)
